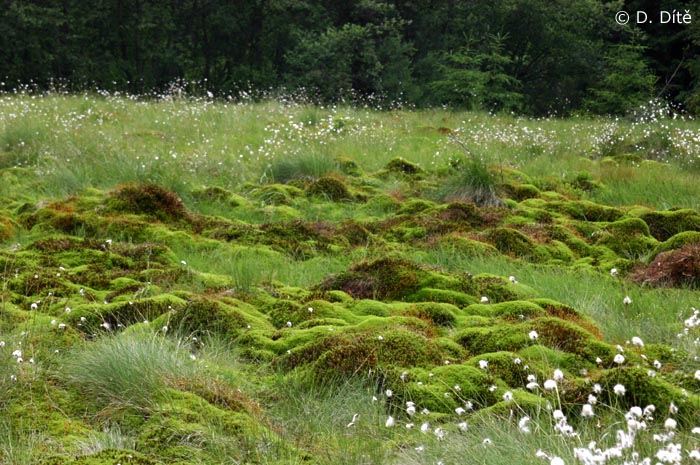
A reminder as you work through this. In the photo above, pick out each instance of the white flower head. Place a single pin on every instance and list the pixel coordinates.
(558, 375)
(587, 411)
(613, 272)
(390, 422)
(619, 390)
(637, 341)
(619, 359)
(627, 300)
(550, 384)
(508, 396)
(670, 424)
(523, 424)
(533, 335)
(483, 364)
(484, 300)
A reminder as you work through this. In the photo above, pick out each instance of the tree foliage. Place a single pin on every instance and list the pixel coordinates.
(534, 56)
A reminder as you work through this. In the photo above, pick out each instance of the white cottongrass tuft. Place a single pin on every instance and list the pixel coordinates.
(627, 300)
(619, 359)
(670, 424)
(533, 335)
(619, 390)
(637, 341)
(523, 424)
(390, 422)
(587, 411)
(550, 384)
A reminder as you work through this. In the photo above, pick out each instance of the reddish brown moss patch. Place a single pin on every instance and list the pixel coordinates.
(147, 199)
(677, 268)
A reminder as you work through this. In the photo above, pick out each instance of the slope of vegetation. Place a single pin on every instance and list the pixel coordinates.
(196, 282)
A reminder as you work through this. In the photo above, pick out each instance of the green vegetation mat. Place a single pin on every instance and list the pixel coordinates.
(193, 282)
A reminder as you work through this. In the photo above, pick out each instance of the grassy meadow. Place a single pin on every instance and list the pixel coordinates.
(197, 281)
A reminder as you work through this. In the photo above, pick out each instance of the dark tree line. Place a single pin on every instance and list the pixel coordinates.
(532, 56)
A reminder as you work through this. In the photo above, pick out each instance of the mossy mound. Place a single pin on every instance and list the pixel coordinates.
(665, 224)
(381, 279)
(459, 244)
(629, 238)
(481, 340)
(642, 390)
(444, 388)
(6, 228)
(330, 188)
(587, 211)
(439, 314)
(202, 315)
(275, 194)
(105, 457)
(218, 195)
(678, 241)
(349, 353)
(520, 192)
(147, 199)
(404, 167)
(516, 244)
